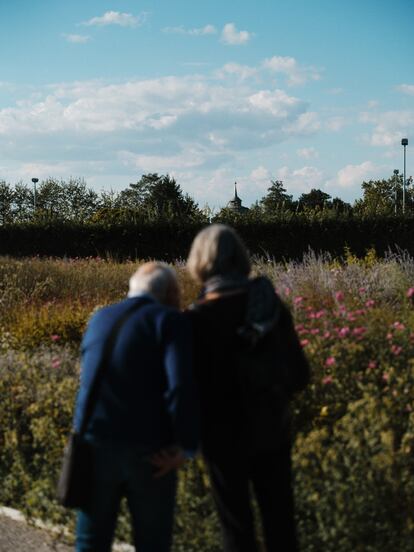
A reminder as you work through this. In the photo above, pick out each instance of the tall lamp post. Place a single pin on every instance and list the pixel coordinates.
(35, 181)
(404, 143)
(396, 171)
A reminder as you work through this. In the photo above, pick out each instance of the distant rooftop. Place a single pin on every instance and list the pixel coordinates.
(235, 204)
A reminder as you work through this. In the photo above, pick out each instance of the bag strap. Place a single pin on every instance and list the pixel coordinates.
(107, 351)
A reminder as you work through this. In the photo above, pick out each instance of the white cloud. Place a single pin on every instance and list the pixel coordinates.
(162, 164)
(259, 174)
(76, 38)
(406, 89)
(206, 30)
(187, 107)
(204, 129)
(230, 35)
(335, 124)
(389, 126)
(353, 175)
(301, 180)
(305, 123)
(116, 18)
(288, 66)
(235, 69)
(308, 153)
(276, 102)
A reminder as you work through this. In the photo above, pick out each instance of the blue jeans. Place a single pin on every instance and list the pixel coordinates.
(122, 470)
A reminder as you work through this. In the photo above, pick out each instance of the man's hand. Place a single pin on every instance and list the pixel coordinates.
(166, 460)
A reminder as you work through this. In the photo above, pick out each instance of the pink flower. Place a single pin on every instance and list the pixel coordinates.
(372, 364)
(359, 331)
(288, 291)
(362, 290)
(351, 317)
(410, 292)
(56, 363)
(343, 332)
(369, 303)
(314, 331)
(297, 300)
(339, 296)
(389, 336)
(55, 337)
(320, 314)
(304, 342)
(327, 334)
(385, 377)
(398, 326)
(327, 380)
(330, 361)
(396, 349)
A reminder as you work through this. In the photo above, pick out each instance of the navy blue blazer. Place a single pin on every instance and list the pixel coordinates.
(147, 396)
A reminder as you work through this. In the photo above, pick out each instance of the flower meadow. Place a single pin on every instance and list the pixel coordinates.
(353, 428)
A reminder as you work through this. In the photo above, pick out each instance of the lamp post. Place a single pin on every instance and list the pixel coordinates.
(35, 181)
(396, 171)
(404, 143)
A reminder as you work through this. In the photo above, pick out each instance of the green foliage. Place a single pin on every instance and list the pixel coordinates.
(276, 199)
(287, 237)
(381, 196)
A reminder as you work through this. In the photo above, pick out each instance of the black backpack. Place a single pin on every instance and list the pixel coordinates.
(262, 363)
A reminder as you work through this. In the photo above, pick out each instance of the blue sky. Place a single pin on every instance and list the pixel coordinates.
(316, 93)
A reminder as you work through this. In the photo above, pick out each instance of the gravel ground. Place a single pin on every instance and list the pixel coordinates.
(17, 536)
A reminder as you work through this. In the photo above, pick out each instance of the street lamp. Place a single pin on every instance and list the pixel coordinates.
(396, 171)
(35, 181)
(404, 143)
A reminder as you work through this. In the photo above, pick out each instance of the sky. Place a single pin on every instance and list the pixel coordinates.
(316, 93)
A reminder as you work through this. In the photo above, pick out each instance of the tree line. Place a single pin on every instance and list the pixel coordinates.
(157, 197)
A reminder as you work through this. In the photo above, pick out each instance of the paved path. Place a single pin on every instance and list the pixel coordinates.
(17, 536)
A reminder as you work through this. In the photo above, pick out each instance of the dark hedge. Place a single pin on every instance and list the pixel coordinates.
(171, 240)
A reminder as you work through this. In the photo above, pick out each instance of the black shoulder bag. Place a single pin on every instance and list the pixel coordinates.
(74, 487)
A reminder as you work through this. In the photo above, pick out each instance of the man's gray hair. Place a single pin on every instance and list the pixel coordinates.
(154, 278)
(218, 251)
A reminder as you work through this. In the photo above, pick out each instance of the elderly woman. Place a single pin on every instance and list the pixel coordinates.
(248, 362)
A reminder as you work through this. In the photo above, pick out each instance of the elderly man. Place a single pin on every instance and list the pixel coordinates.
(144, 420)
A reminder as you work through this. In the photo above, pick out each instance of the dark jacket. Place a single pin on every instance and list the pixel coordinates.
(147, 396)
(217, 349)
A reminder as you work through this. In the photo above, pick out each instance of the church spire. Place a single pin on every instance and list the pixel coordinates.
(235, 191)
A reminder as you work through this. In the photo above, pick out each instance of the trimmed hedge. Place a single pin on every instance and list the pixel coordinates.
(170, 240)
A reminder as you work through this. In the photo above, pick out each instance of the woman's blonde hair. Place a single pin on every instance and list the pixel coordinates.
(217, 251)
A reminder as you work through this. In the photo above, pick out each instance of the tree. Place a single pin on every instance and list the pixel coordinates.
(80, 202)
(315, 199)
(379, 196)
(23, 204)
(159, 196)
(340, 206)
(50, 200)
(276, 199)
(6, 203)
